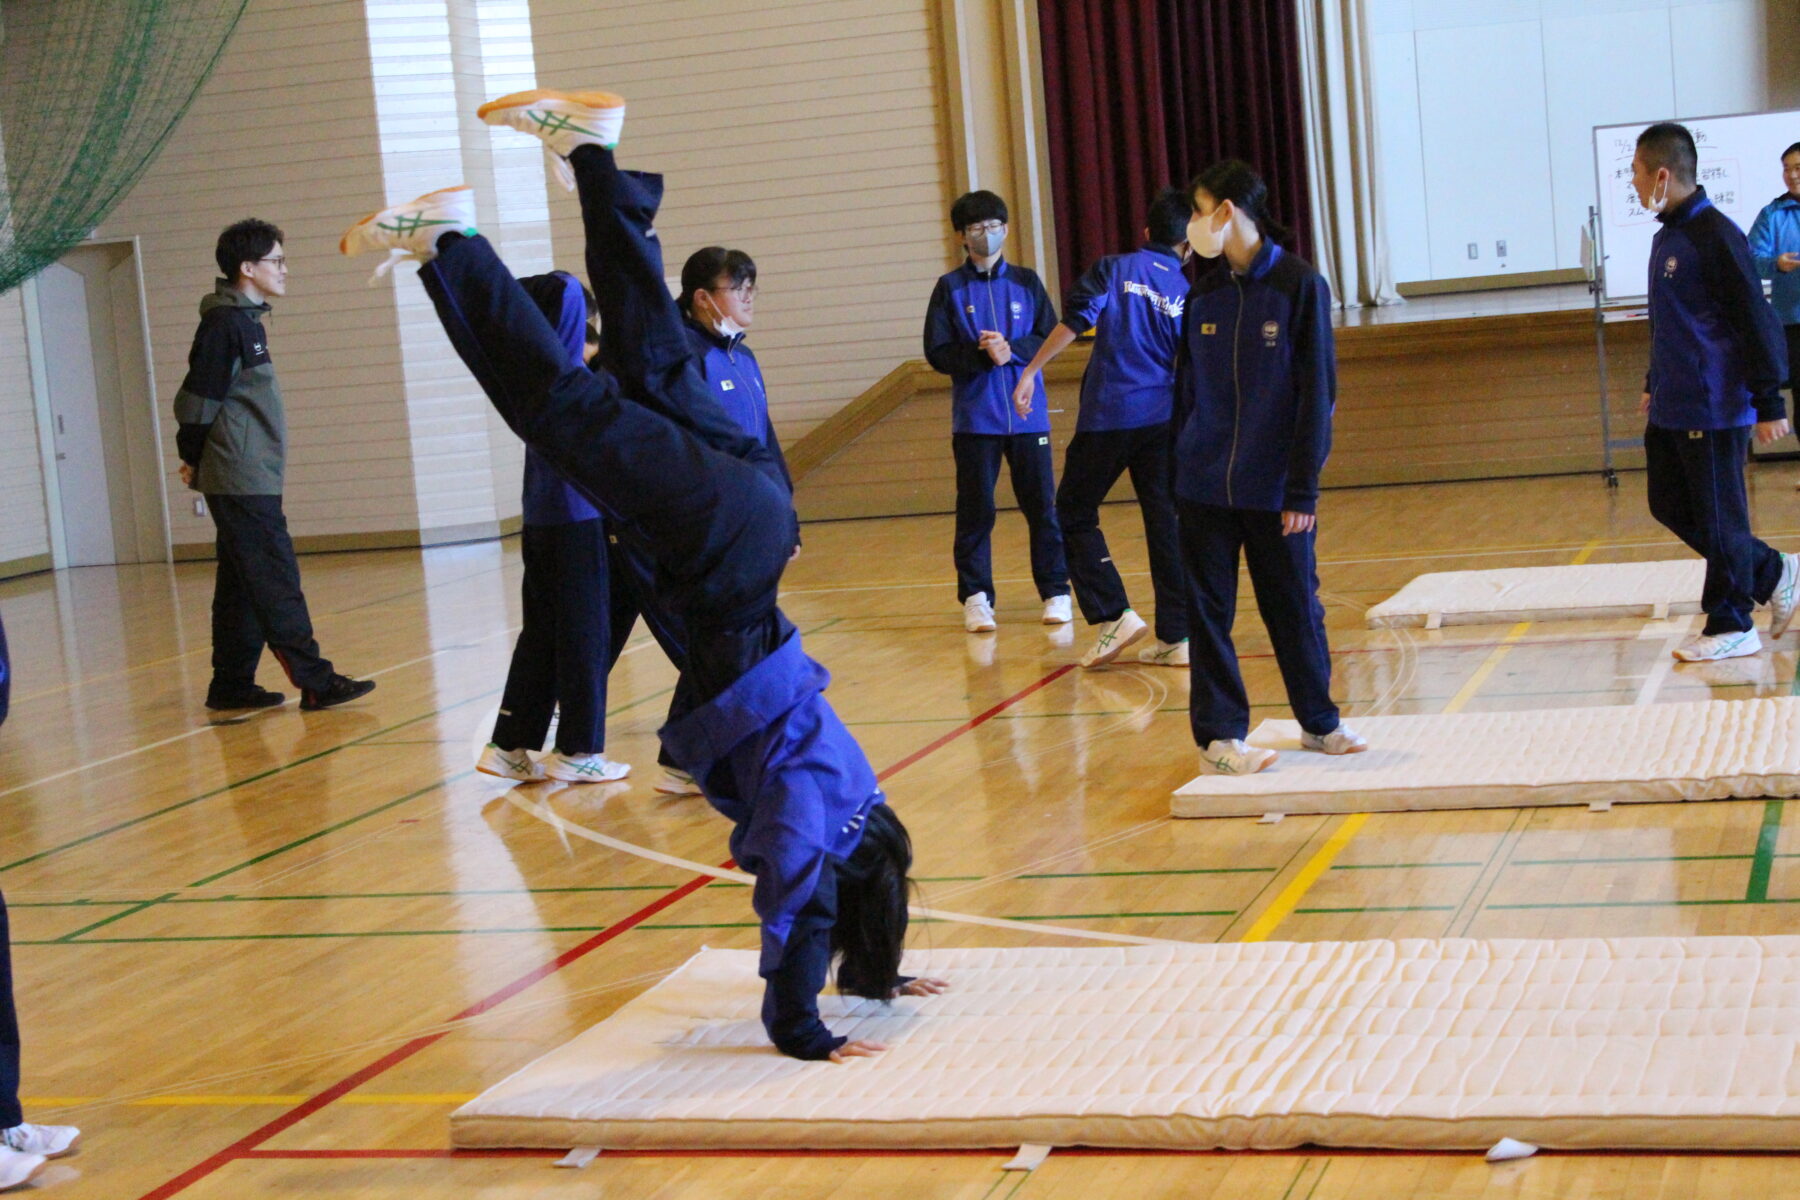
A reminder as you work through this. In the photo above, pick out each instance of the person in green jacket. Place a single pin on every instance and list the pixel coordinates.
(233, 447)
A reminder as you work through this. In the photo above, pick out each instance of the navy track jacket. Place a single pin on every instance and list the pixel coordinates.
(1718, 356)
(1011, 301)
(1256, 386)
(1136, 301)
(735, 379)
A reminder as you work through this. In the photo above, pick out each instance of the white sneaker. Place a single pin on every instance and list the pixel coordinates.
(1786, 597)
(509, 764)
(1234, 757)
(50, 1141)
(1165, 654)
(411, 230)
(676, 783)
(584, 768)
(1705, 647)
(1342, 740)
(17, 1167)
(561, 120)
(1114, 637)
(978, 614)
(1057, 610)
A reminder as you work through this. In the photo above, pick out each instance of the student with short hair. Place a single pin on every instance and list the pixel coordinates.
(233, 447)
(1253, 407)
(1127, 397)
(718, 301)
(23, 1146)
(1717, 363)
(986, 319)
(1775, 249)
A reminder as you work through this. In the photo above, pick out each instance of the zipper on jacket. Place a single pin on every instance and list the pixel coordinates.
(1237, 389)
(994, 318)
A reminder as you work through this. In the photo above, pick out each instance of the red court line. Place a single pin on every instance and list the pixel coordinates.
(249, 1145)
(1005, 1151)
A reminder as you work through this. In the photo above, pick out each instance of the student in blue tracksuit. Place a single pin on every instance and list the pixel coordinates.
(23, 1146)
(1127, 396)
(985, 321)
(1775, 249)
(1258, 381)
(560, 661)
(1717, 363)
(675, 477)
(718, 298)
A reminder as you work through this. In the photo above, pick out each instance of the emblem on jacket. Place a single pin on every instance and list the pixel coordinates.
(725, 385)
(1017, 308)
(1669, 265)
(1208, 328)
(1271, 330)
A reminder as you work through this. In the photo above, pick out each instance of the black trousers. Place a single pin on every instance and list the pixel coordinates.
(1090, 469)
(1697, 492)
(1028, 460)
(257, 599)
(1793, 349)
(631, 578)
(560, 661)
(644, 437)
(1284, 575)
(10, 1113)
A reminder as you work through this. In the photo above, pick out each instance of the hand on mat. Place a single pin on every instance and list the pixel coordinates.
(850, 1050)
(1293, 522)
(1788, 262)
(1022, 393)
(1644, 405)
(923, 987)
(1769, 431)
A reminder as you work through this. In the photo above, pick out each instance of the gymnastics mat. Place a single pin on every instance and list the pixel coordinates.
(1638, 589)
(1641, 1043)
(1703, 750)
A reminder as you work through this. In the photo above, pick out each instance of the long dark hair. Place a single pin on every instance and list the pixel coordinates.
(872, 891)
(1238, 182)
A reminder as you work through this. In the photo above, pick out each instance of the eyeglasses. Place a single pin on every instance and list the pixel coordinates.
(745, 291)
(984, 227)
(280, 261)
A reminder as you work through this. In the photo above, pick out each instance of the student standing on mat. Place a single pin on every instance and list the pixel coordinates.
(1252, 429)
(1717, 363)
(23, 1147)
(233, 448)
(559, 663)
(987, 319)
(1127, 395)
(1775, 249)
(672, 473)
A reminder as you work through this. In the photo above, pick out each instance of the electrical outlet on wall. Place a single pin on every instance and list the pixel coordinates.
(1500, 248)
(1474, 250)
(199, 507)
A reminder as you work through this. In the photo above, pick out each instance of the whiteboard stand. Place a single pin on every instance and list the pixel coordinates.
(1595, 262)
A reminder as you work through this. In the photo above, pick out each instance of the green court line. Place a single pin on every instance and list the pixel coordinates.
(1384, 908)
(1295, 1181)
(1123, 874)
(1318, 1179)
(1764, 863)
(1649, 903)
(1652, 858)
(1508, 843)
(1123, 916)
(1399, 866)
(118, 916)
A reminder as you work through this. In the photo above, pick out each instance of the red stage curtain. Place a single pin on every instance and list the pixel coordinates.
(1143, 93)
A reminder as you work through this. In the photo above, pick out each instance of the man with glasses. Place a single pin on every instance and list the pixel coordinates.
(985, 321)
(233, 448)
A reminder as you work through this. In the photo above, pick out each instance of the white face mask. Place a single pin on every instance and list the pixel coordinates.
(723, 325)
(1203, 239)
(1659, 198)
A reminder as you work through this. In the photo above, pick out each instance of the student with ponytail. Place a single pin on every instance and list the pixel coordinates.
(1254, 394)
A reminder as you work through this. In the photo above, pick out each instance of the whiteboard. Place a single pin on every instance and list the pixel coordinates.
(1740, 166)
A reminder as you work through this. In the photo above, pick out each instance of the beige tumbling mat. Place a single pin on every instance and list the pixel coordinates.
(1646, 1043)
(1639, 589)
(1703, 750)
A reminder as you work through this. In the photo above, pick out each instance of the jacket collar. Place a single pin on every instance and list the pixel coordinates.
(1687, 210)
(716, 339)
(1163, 249)
(1266, 258)
(999, 271)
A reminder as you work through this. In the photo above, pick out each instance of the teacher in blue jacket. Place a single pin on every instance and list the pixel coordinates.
(1253, 402)
(1775, 249)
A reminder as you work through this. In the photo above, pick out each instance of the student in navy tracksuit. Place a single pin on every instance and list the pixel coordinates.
(1252, 430)
(1127, 396)
(560, 660)
(986, 320)
(718, 298)
(1717, 363)
(675, 477)
(1775, 249)
(23, 1147)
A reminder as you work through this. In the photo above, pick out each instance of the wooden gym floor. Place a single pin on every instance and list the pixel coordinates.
(268, 956)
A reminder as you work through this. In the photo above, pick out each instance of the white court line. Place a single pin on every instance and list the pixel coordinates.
(1665, 661)
(551, 817)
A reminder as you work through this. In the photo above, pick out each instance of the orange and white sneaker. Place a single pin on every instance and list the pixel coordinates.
(561, 120)
(412, 230)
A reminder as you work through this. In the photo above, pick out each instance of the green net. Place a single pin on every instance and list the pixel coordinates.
(89, 91)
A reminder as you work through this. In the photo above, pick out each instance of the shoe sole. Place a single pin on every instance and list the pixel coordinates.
(1752, 652)
(549, 774)
(1336, 753)
(344, 242)
(24, 1175)
(601, 100)
(667, 790)
(1118, 648)
(211, 707)
(509, 775)
(989, 627)
(1206, 770)
(305, 707)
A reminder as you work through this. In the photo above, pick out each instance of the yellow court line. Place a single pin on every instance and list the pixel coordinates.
(1316, 866)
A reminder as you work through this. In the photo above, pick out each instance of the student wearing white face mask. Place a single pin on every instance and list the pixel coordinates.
(718, 298)
(1254, 394)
